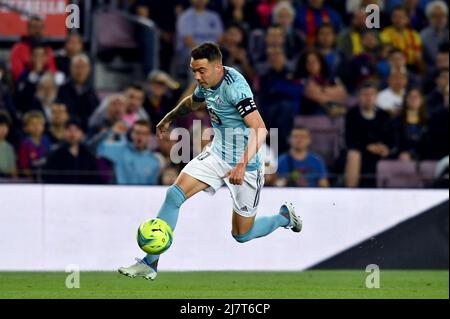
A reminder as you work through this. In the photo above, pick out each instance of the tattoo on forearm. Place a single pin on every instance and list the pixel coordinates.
(181, 110)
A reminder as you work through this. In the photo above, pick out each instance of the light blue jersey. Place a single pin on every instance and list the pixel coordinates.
(227, 104)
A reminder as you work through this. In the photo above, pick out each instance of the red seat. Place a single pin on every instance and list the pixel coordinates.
(398, 174)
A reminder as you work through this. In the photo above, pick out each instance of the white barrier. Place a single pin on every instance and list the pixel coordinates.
(47, 227)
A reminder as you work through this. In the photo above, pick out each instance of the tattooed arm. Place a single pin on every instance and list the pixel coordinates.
(186, 106)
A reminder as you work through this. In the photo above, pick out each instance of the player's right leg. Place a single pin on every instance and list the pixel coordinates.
(184, 187)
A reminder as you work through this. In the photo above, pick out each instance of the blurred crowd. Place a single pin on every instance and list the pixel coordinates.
(310, 59)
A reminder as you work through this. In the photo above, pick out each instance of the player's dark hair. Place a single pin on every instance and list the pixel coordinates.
(208, 50)
(5, 119)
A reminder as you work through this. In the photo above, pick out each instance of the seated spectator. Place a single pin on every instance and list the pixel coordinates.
(403, 37)
(366, 138)
(57, 124)
(160, 97)
(417, 19)
(30, 76)
(134, 98)
(279, 96)
(435, 99)
(233, 48)
(350, 40)
(241, 12)
(7, 154)
(169, 175)
(432, 72)
(312, 15)
(78, 93)
(364, 66)
(408, 129)
(72, 162)
(299, 167)
(274, 37)
(284, 16)
(437, 140)
(34, 148)
(20, 57)
(73, 46)
(195, 25)
(264, 11)
(109, 112)
(45, 96)
(391, 98)
(436, 33)
(396, 62)
(321, 93)
(326, 44)
(133, 162)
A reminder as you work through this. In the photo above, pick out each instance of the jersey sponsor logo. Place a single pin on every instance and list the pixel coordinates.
(214, 117)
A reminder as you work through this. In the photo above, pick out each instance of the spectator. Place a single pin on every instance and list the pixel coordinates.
(408, 129)
(300, 167)
(32, 73)
(241, 12)
(45, 96)
(163, 13)
(396, 62)
(7, 154)
(159, 99)
(401, 36)
(350, 39)
(78, 94)
(391, 98)
(109, 112)
(417, 19)
(34, 148)
(366, 138)
(73, 46)
(133, 162)
(194, 26)
(169, 175)
(436, 33)
(279, 96)
(312, 15)
(321, 94)
(72, 162)
(435, 99)
(274, 37)
(234, 50)
(264, 11)
(284, 16)
(364, 66)
(326, 44)
(437, 140)
(134, 98)
(57, 124)
(20, 57)
(432, 73)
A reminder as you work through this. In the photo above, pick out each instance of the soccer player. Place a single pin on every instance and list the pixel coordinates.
(232, 159)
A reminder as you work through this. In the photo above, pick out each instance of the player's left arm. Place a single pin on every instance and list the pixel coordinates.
(257, 138)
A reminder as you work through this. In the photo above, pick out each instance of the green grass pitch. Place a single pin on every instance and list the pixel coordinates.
(191, 285)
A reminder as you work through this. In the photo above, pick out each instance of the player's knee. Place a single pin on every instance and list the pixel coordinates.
(176, 195)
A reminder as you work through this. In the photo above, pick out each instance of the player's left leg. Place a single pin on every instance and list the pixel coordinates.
(245, 226)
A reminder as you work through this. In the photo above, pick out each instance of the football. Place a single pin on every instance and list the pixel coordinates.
(154, 236)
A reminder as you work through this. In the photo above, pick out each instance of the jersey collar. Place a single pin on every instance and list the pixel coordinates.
(225, 71)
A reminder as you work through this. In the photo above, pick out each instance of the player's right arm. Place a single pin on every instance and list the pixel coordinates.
(187, 105)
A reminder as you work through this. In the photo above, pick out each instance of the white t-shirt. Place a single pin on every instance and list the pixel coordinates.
(390, 101)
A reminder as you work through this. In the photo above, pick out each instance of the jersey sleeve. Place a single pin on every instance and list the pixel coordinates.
(241, 97)
(198, 96)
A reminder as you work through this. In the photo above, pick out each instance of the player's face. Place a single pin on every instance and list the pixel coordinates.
(206, 73)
